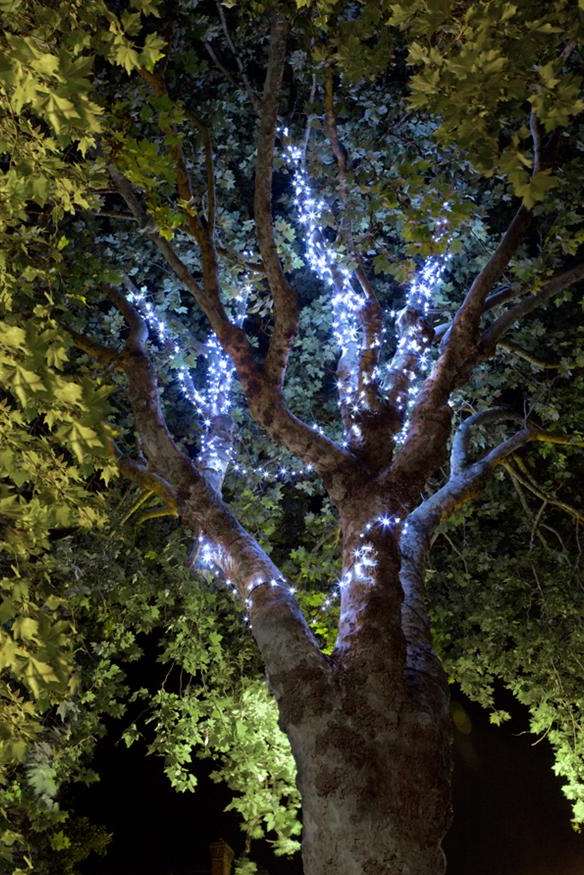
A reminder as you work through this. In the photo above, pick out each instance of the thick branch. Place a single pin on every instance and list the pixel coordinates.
(460, 351)
(103, 354)
(265, 399)
(466, 481)
(279, 626)
(461, 439)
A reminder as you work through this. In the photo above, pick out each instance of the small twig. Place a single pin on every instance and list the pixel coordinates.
(514, 349)
(540, 493)
(246, 83)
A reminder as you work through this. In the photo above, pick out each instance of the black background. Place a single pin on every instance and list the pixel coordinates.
(510, 815)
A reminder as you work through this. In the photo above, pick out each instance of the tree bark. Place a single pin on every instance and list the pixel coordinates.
(375, 785)
(371, 738)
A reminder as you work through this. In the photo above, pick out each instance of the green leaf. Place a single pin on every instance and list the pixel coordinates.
(153, 51)
(26, 628)
(25, 384)
(12, 335)
(38, 675)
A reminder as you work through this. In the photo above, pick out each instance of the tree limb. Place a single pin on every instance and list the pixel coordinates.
(528, 484)
(521, 353)
(425, 443)
(278, 624)
(264, 397)
(284, 297)
(550, 288)
(461, 438)
(370, 315)
(103, 354)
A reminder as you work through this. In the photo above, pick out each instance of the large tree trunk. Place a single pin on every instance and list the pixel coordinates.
(375, 787)
(371, 738)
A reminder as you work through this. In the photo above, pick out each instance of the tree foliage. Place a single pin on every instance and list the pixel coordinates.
(439, 110)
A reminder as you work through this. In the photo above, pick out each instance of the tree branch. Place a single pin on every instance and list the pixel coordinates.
(278, 624)
(521, 353)
(422, 450)
(370, 315)
(461, 438)
(183, 179)
(264, 397)
(102, 354)
(246, 83)
(540, 493)
(552, 287)
(284, 297)
(465, 482)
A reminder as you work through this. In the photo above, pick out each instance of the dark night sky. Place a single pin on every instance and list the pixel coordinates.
(510, 815)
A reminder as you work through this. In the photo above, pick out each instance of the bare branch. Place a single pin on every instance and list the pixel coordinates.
(145, 478)
(246, 83)
(461, 438)
(547, 291)
(209, 303)
(285, 304)
(534, 360)
(196, 227)
(309, 118)
(500, 296)
(220, 66)
(211, 193)
(339, 150)
(529, 484)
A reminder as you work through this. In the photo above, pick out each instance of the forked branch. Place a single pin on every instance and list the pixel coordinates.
(278, 624)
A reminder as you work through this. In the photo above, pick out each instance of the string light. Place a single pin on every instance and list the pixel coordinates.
(413, 346)
(411, 359)
(347, 303)
(215, 398)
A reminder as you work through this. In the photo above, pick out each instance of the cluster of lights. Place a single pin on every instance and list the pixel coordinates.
(212, 402)
(411, 357)
(209, 556)
(365, 557)
(283, 472)
(412, 353)
(215, 399)
(347, 303)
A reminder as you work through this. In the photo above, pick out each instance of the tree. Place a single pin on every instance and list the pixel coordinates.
(481, 125)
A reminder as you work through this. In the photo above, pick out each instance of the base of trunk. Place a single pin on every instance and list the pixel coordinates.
(375, 799)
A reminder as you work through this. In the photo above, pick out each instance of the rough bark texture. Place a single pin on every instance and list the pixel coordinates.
(374, 786)
(373, 756)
